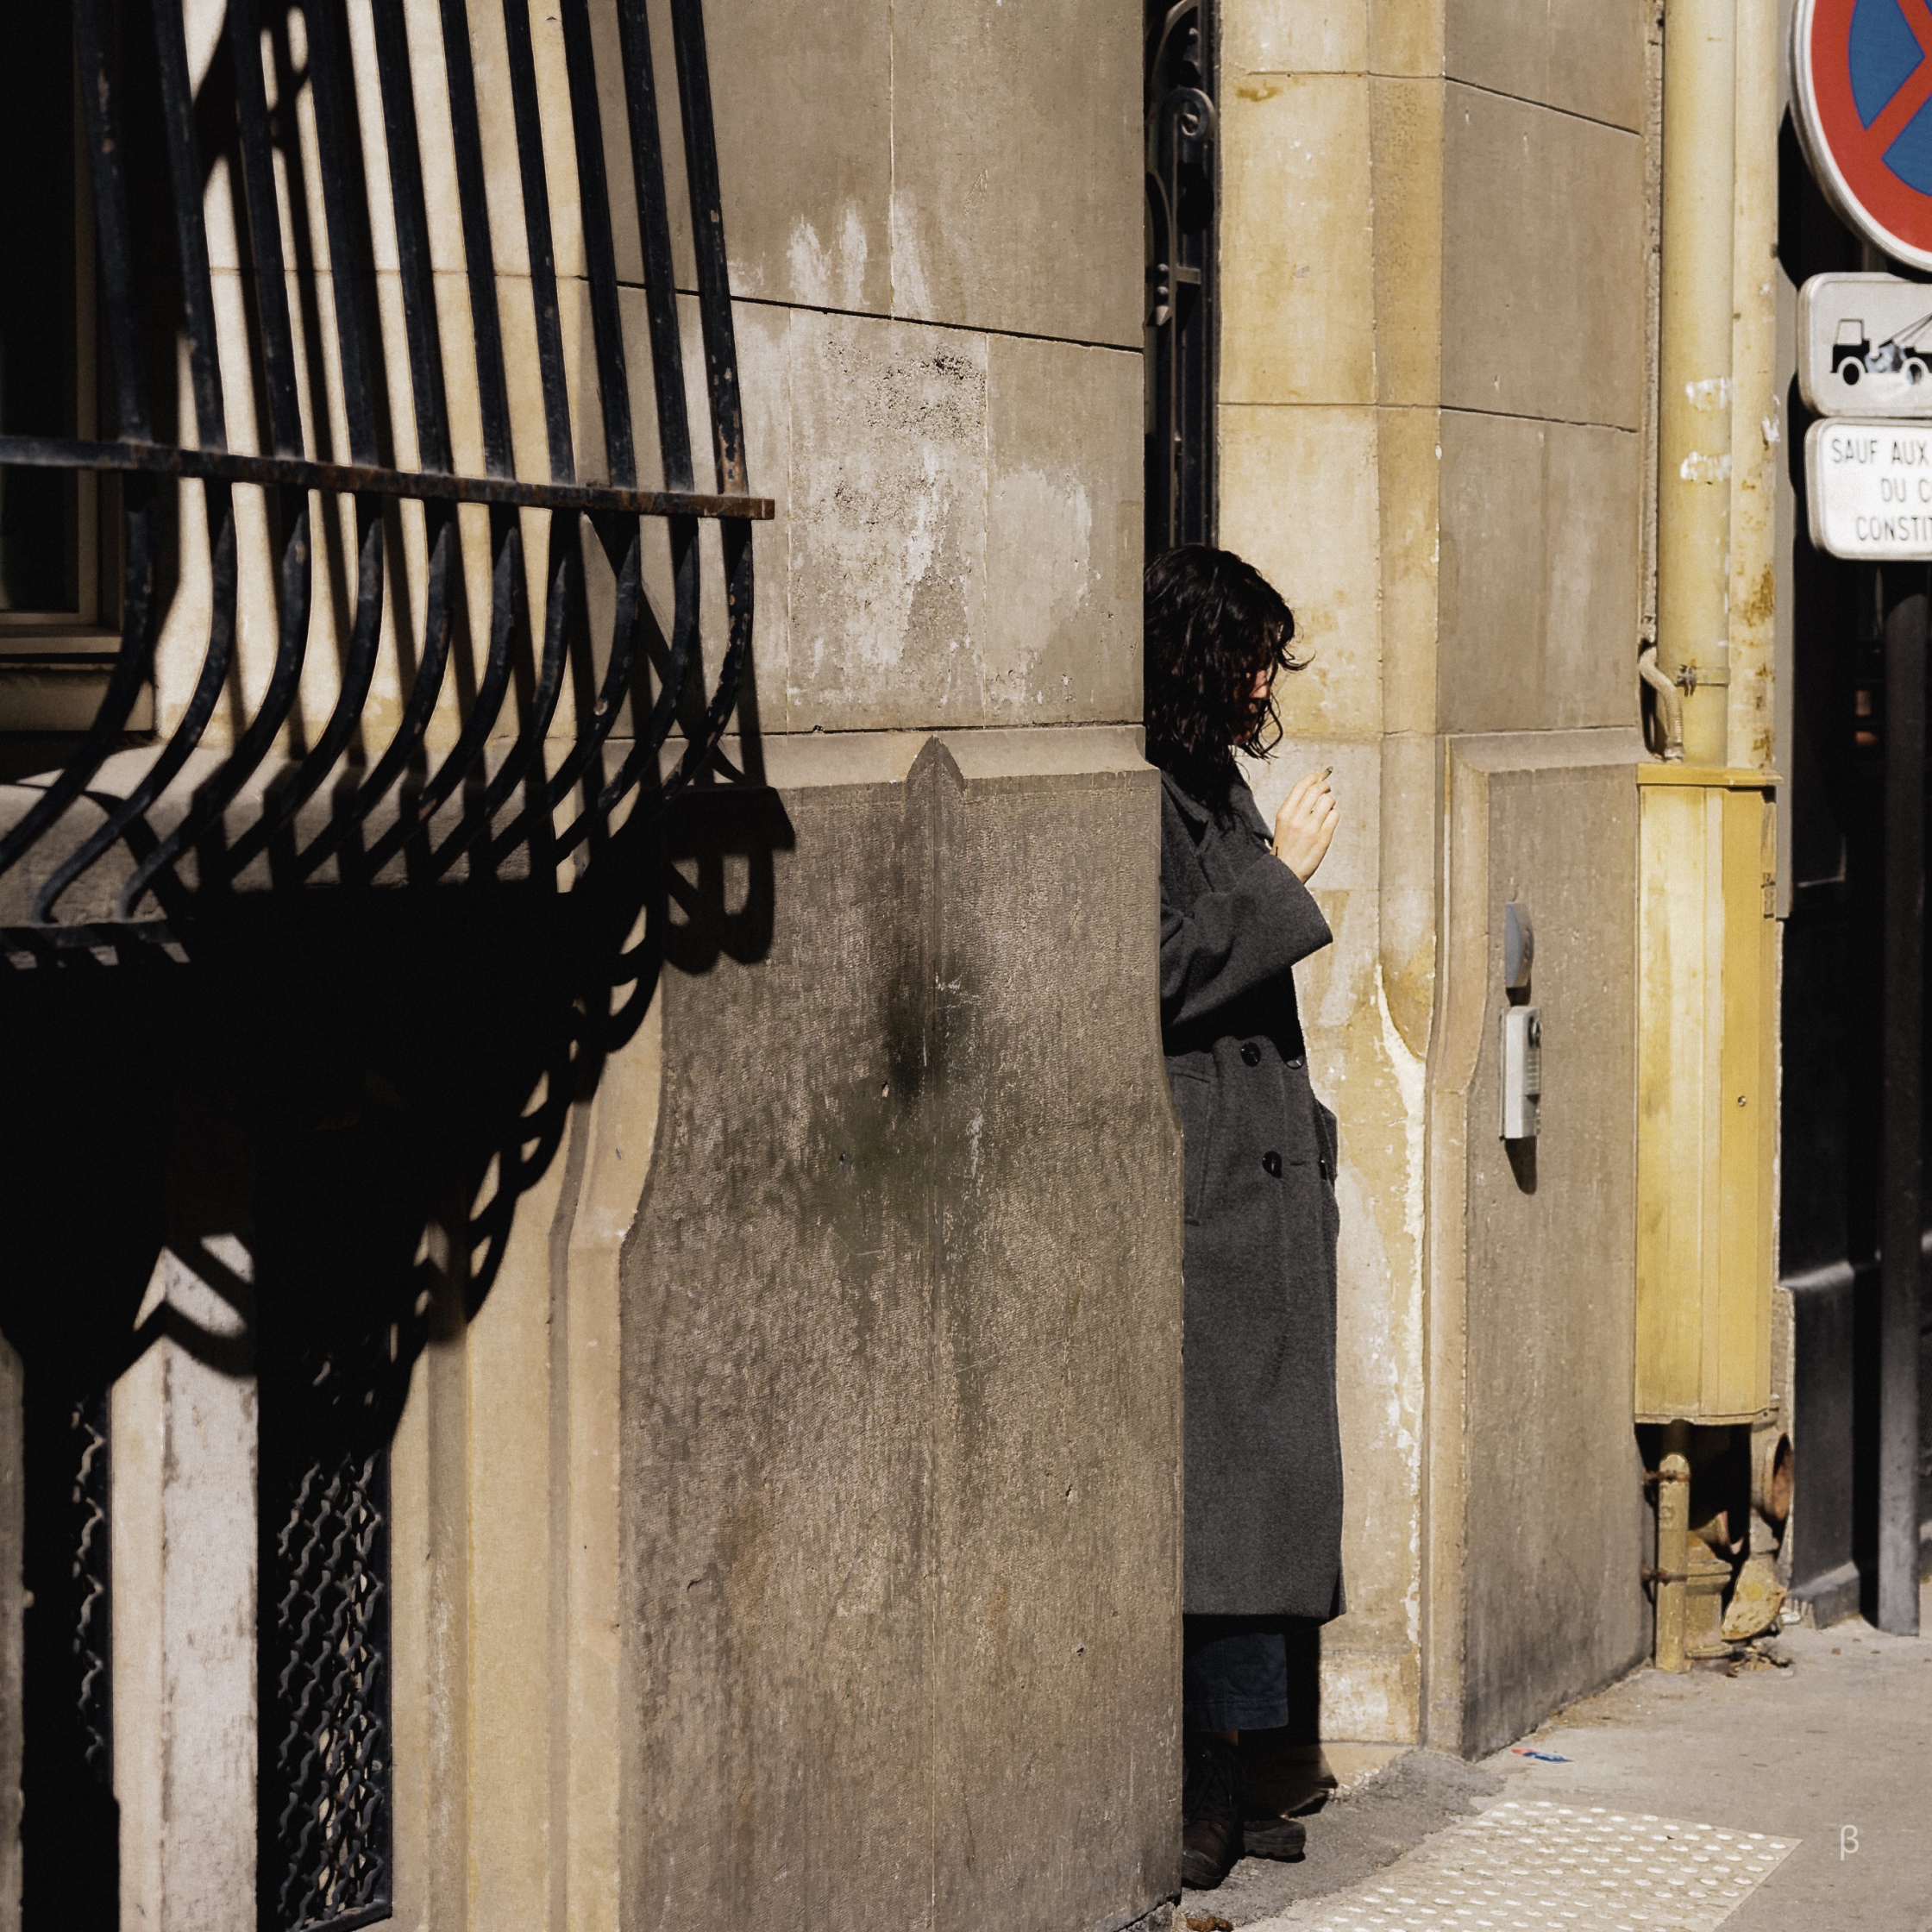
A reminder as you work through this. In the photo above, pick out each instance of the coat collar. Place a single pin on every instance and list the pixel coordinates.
(1186, 803)
(1238, 806)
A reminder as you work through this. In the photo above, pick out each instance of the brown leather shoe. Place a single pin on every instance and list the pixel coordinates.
(1211, 1834)
(1283, 1780)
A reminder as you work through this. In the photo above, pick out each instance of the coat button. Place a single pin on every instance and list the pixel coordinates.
(1251, 1055)
(1272, 1162)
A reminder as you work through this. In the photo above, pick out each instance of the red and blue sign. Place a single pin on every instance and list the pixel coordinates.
(1861, 73)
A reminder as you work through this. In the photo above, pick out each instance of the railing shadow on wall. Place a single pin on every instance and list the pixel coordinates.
(329, 978)
(361, 1093)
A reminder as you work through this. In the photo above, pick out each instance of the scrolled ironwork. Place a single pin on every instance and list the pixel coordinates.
(1182, 126)
(404, 805)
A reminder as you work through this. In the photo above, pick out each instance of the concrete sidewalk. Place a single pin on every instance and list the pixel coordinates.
(1836, 1752)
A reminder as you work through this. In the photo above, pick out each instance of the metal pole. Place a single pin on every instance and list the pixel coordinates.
(1755, 451)
(1898, 1221)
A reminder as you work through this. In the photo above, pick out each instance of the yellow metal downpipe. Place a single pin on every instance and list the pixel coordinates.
(1707, 915)
(1694, 373)
(1707, 931)
(1757, 431)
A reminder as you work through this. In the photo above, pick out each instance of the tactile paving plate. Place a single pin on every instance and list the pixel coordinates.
(1529, 1867)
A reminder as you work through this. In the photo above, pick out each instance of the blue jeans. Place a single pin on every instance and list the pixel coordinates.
(1234, 1673)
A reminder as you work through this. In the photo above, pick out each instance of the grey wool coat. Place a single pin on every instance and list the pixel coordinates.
(1264, 1477)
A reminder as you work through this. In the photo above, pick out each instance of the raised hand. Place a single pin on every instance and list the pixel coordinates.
(1305, 825)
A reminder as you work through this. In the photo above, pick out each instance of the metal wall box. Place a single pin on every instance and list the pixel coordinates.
(1707, 936)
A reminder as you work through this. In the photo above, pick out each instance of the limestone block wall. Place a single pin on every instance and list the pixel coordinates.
(795, 1529)
(1535, 1485)
(1435, 226)
(901, 1314)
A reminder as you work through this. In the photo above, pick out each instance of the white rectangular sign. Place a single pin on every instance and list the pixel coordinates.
(1864, 345)
(1870, 486)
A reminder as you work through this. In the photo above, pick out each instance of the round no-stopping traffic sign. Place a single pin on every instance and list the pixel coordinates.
(1861, 73)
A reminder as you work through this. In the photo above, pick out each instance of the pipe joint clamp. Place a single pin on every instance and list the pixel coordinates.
(1692, 677)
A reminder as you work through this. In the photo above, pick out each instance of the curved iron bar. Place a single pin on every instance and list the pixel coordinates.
(325, 32)
(198, 294)
(607, 319)
(605, 710)
(445, 557)
(429, 399)
(191, 239)
(212, 799)
(139, 621)
(600, 244)
(721, 372)
(506, 612)
(535, 184)
(358, 671)
(298, 486)
(673, 432)
(544, 304)
(408, 208)
(557, 610)
(506, 579)
(224, 573)
(472, 199)
(650, 740)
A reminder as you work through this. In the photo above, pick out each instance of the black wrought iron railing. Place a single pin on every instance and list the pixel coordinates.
(141, 836)
(1181, 126)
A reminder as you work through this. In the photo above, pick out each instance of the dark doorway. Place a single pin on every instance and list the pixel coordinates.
(1833, 1024)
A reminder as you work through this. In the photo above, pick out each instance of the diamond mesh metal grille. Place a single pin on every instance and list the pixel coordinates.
(93, 1642)
(329, 1759)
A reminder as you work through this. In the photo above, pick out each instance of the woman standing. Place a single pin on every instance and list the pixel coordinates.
(1263, 1486)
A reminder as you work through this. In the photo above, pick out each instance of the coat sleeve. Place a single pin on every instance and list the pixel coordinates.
(1228, 945)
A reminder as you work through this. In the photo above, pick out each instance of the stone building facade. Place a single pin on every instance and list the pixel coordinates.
(772, 1237)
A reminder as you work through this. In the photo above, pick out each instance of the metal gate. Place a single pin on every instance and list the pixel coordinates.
(1182, 191)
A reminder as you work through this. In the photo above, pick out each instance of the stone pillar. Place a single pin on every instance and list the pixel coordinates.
(430, 1621)
(185, 1448)
(1431, 418)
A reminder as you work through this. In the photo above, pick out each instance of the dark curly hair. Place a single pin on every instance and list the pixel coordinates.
(1213, 622)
